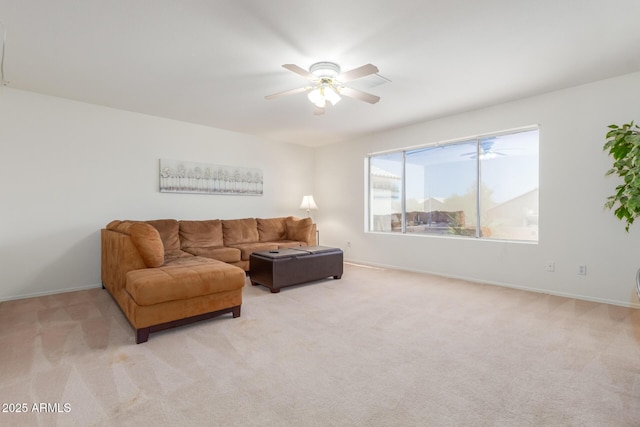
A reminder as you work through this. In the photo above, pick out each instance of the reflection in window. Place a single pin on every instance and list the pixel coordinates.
(385, 178)
(482, 187)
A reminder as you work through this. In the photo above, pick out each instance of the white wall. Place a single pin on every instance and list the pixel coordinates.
(68, 168)
(574, 227)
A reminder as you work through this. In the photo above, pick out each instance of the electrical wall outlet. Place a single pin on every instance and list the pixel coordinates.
(582, 270)
(551, 266)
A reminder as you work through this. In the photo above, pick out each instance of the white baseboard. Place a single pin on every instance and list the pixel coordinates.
(506, 285)
(57, 291)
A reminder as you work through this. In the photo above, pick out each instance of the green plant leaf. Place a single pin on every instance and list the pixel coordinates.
(623, 145)
(632, 139)
(622, 212)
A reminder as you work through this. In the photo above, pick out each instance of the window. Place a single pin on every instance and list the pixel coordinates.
(485, 187)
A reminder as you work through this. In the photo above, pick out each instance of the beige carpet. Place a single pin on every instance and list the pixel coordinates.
(377, 348)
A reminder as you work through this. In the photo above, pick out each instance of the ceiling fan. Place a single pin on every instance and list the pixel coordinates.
(486, 150)
(328, 84)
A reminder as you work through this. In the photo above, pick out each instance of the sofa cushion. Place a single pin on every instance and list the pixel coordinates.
(190, 278)
(236, 231)
(119, 226)
(168, 229)
(201, 234)
(272, 229)
(175, 254)
(113, 224)
(289, 244)
(299, 229)
(248, 248)
(147, 241)
(220, 253)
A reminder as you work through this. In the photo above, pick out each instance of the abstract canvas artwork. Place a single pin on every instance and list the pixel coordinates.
(178, 176)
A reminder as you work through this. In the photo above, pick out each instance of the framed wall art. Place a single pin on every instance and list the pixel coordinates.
(178, 176)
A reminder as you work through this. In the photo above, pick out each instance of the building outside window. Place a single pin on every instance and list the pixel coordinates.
(484, 187)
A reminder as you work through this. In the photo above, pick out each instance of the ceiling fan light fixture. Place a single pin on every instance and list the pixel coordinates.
(321, 94)
(328, 84)
(316, 96)
(331, 95)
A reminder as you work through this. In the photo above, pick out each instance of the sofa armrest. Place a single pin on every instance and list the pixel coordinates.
(313, 238)
(119, 256)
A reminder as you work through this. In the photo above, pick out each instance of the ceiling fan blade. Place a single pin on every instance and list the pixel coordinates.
(356, 73)
(288, 92)
(317, 111)
(362, 96)
(300, 71)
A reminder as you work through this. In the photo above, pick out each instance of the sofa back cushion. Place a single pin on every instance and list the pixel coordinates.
(272, 229)
(147, 241)
(201, 234)
(240, 231)
(169, 233)
(299, 229)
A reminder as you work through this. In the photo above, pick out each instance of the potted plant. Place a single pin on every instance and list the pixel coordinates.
(623, 144)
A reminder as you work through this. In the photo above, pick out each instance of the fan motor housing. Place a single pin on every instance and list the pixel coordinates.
(325, 69)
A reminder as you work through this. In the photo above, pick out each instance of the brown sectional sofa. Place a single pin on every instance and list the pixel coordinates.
(166, 273)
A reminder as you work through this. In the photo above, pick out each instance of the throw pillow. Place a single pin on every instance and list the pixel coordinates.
(299, 229)
(146, 239)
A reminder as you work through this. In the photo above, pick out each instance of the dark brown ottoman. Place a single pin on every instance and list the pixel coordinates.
(287, 267)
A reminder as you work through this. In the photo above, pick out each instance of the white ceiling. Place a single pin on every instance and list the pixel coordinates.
(212, 62)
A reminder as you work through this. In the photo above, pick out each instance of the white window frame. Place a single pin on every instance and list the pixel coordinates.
(403, 198)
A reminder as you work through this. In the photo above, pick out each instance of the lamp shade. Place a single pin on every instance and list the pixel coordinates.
(308, 203)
